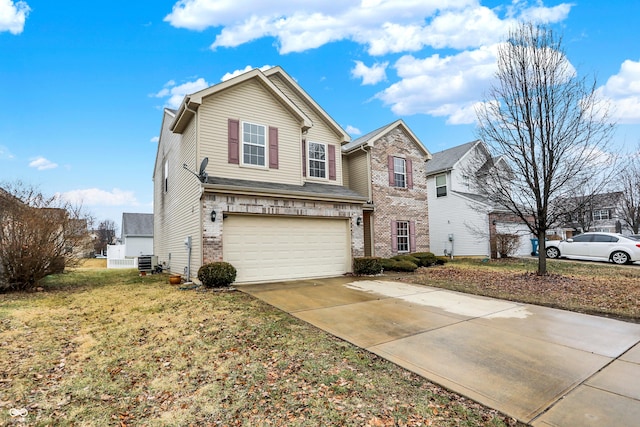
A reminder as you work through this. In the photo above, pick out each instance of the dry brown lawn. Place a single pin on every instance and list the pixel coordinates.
(106, 347)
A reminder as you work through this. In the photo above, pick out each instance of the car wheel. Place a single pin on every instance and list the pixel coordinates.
(553, 252)
(620, 257)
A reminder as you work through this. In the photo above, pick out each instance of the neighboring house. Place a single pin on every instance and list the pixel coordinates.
(599, 212)
(387, 166)
(137, 234)
(272, 199)
(462, 222)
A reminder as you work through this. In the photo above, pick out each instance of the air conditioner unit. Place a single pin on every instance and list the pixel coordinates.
(148, 263)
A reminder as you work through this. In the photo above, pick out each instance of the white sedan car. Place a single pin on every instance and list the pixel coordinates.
(596, 246)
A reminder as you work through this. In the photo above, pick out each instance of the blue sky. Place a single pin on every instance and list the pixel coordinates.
(83, 84)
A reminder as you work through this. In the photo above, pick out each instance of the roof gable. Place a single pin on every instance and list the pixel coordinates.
(293, 85)
(137, 225)
(192, 102)
(370, 138)
(446, 160)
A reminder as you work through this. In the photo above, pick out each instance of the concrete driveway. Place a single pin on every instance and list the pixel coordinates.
(542, 366)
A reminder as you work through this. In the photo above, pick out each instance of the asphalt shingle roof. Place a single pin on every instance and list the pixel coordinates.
(313, 188)
(137, 224)
(446, 159)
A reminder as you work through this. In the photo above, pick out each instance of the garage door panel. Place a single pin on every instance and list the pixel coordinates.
(266, 248)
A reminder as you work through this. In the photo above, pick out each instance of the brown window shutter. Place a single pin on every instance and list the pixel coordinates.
(234, 141)
(412, 236)
(273, 148)
(332, 162)
(304, 157)
(392, 179)
(409, 167)
(394, 237)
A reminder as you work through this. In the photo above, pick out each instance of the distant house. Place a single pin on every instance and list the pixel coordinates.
(137, 234)
(598, 212)
(461, 221)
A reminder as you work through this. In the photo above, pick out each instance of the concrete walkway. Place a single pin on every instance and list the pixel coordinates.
(542, 366)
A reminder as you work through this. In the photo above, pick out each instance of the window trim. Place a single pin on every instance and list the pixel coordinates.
(265, 146)
(166, 176)
(402, 174)
(406, 239)
(325, 161)
(600, 216)
(444, 175)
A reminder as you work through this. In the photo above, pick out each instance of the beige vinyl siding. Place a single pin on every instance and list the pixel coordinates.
(345, 171)
(168, 143)
(250, 102)
(359, 179)
(177, 212)
(320, 132)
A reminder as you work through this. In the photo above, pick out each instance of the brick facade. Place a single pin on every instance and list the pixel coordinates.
(398, 204)
(226, 203)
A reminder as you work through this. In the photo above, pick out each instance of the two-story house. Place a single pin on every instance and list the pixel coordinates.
(461, 221)
(274, 203)
(284, 193)
(387, 166)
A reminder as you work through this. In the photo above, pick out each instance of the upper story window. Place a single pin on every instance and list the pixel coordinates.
(599, 214)
(399, 172)
(317, 160)
(253, 144)
(441, 185)
(166, 176)
(466, 181)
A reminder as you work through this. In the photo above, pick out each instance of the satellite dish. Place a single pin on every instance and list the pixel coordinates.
(203, 174)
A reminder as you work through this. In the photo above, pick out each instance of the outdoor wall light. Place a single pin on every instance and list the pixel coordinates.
(213, 216)
(359, 220)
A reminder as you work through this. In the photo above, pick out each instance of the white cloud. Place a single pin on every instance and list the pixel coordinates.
(385, 26)
(623, 92)
(41, 164)
(352, 130)
(441, 86)
(248, 68)
(176, 93)
(155, 139)
(97, 197)
(370, 75)
(446, 86)
(5, 154)
(13, 15)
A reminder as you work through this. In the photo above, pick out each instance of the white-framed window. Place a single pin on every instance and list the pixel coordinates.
(441, 185)
(317, 160)
(466, 181)
(403, 236)
(254, 140)
(599, 214)
(166, 176)
(399, 172)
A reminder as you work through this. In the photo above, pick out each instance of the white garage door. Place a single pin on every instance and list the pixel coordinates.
(264, 248)
(524, 248)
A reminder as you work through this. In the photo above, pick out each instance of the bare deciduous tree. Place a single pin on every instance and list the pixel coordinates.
(548, 127)
(105, 235)
(38, 236)
(629, 209)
